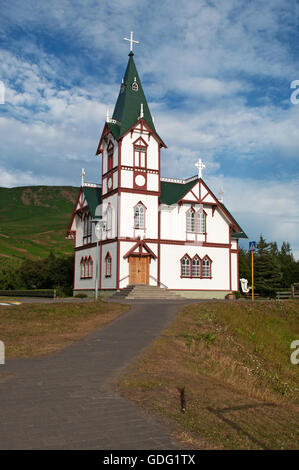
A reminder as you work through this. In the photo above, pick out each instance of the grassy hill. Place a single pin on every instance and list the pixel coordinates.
(34, 220)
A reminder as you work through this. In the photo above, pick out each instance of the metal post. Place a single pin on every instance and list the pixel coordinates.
(252, 274)
(97, 272)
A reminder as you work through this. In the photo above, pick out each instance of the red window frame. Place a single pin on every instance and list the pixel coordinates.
(108, 264)
(190, 266)
(144, 216)
(87, 228)
(209, 259)
(137, 153)
(110, 151)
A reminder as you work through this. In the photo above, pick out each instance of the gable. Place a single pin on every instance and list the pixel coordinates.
(199, 193)
(140, 249)
(87, 198)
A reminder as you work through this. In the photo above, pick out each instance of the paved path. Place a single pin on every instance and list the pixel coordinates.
(64, 401)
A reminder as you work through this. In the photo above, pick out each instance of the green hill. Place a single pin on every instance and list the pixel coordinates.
(34, 220)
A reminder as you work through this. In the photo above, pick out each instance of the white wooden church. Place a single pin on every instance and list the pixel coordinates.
(172, 233)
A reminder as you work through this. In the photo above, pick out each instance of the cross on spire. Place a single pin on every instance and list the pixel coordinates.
(82, 177)
(200, 166)
(131, 40)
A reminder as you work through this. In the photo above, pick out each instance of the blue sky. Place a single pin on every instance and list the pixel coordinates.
(217, 77)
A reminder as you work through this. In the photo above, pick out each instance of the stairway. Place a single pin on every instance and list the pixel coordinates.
(141, 291)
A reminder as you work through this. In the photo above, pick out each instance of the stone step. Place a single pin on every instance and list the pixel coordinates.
(141, 291)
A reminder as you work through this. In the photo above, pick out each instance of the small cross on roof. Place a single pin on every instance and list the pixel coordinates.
(200, 166)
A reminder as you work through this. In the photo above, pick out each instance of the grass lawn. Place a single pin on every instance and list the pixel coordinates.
(37, 329)
(233, 361)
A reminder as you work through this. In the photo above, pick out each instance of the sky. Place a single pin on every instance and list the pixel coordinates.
(217, 76)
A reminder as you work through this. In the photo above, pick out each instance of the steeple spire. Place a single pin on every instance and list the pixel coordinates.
(128, 107)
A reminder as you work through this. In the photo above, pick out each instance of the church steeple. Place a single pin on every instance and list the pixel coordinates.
(131, 100)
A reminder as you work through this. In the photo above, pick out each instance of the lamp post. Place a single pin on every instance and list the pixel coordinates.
(100, 226)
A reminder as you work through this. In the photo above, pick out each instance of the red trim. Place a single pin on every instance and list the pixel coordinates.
(230, 258)
(105, 132)
(144, 217)
(198, 277)
(201, 275)
(110, 152)
(74, 213)
(140, 245)
(181, 264)
(108, 257)
(131, 190)
(142, 120)
(238, 288)
(159, 246)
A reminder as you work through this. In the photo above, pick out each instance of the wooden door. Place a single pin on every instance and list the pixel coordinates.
(139, 269)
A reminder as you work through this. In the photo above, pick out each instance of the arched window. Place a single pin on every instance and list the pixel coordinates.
(90, 267)
(206, 267)
(185, 266)
(200, 221)
(108, 260)
(191, 221)
(87, 229)
(82, 267)
(196, 266)
(140, 153)
(139, 216)
(109, 219)
(110, 151)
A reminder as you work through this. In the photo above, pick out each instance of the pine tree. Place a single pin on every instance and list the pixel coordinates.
(267, 273)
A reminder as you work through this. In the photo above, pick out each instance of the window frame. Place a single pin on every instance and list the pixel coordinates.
(206, 257)
(140, 144)
(187, 257)
(140, 204)
(108, 264)
(110, 155)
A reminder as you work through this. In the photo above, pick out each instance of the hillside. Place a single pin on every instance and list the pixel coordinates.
(34, 220)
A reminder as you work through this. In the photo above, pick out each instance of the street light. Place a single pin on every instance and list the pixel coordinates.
(100, 227)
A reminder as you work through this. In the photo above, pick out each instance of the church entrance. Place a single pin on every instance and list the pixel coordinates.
(139, 269)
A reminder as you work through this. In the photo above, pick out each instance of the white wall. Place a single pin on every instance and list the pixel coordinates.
(109, 282)
(170, 270)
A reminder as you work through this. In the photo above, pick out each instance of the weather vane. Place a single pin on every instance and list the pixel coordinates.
(131, 40)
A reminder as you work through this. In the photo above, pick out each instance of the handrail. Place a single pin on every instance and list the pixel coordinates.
(158, 282)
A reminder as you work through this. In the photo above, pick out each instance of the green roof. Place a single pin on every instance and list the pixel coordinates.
(241, 234)
(172, 192)
(127, 108)
(93, 197)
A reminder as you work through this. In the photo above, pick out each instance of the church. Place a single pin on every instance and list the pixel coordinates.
(137, 227)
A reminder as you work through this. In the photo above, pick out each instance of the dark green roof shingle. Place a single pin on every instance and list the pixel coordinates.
(172, 192)
(93, 197)
(127, 108)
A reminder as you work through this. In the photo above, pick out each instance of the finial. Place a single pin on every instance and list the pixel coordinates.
(200, 166)
(141, 111)
(131, 41)
(82, 177)
(107, 115)
(221, 192)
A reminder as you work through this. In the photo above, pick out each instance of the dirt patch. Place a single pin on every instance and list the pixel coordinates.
(68, 195)
(30, 197)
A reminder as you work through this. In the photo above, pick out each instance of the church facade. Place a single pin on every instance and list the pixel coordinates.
(172, 233)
